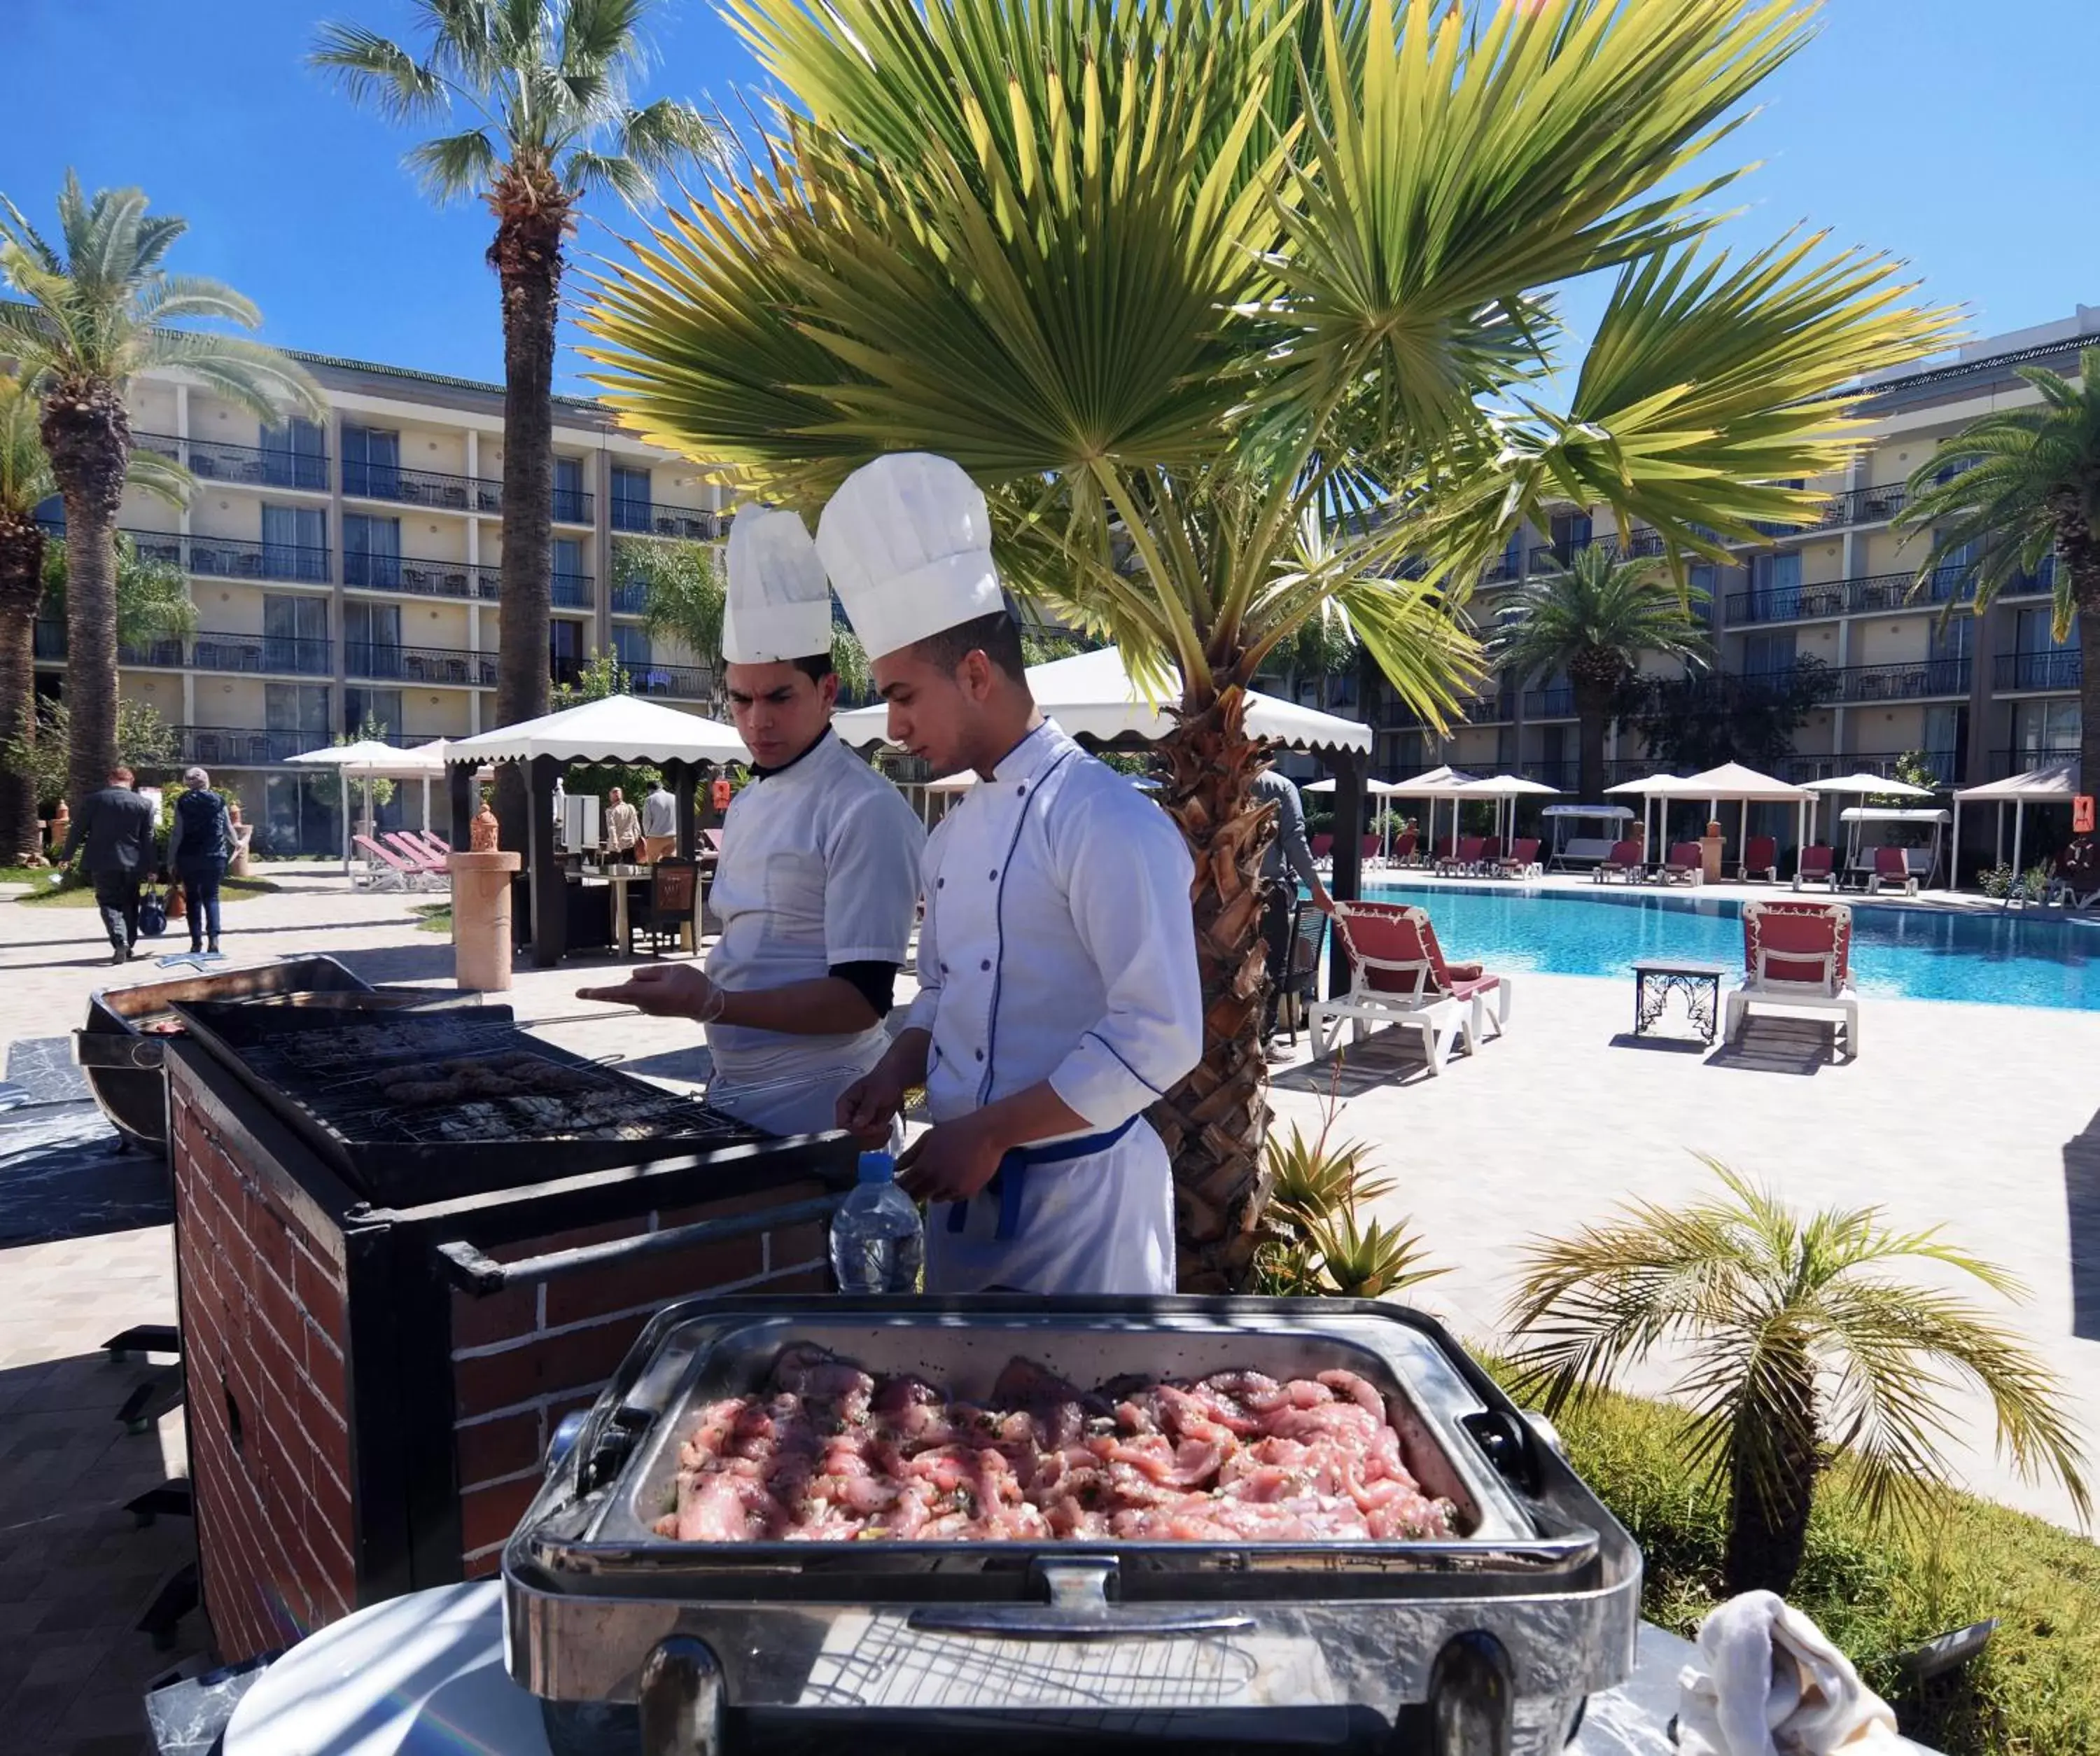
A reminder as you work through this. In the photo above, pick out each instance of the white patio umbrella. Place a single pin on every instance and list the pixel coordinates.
(2057, 784)
(1502, 788)
(616, 728)
(1732, 781)
(1649, 786)
(1861, 784)
(1433, 784)
(1382, 789)
(368, 759)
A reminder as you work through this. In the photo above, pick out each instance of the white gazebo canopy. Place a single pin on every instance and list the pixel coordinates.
(2057, 784)
(1500, 788)
(1092, 695)
(1383, 788)
(1861, 785)
(1731, 781)
(368, 759)
(617, 729)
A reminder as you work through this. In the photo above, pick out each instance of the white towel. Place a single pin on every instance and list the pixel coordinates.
(1768, 1683)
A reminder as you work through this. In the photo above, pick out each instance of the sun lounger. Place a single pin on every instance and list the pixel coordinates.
(1404, 846)
(1398, 976)
(1891, 867)
(1760, 859)
(1465, 859)
(1323, 849)
(1684, 865)
(1522, 859)
(1796, 957)
(384, 869)
(1623, 863)
(429, 864)
(2077, 883)
(1817, 865)
(1372, 849)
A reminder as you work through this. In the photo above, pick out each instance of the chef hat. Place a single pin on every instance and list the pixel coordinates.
(778, 605)
(908, 543)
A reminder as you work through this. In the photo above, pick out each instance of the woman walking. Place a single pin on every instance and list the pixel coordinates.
(198, 846)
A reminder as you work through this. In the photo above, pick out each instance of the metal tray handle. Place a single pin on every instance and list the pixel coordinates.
(1079, 1609)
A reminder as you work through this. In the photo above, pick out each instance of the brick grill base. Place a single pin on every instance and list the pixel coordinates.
(302, 1513)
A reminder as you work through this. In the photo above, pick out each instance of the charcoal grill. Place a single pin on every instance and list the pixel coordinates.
(1485, 1643)
(319, 1068)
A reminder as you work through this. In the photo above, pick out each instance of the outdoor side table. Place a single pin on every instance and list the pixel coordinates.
(1656, 978)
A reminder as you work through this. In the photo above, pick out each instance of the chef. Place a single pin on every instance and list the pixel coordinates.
(819, 874)
(1058, 991)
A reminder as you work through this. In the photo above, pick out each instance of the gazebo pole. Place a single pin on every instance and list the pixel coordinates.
(459, 787)
(550, 890)
(2019, 829)
(1954, 852)
(343, 780)
(1999, 854)
(1348, 885)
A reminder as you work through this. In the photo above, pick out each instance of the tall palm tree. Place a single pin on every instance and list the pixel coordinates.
(1594, 621)
(1799, 1345)
(2022, 485)
(1174, 281)
(99, 304)
(25, 483)
(543, 87)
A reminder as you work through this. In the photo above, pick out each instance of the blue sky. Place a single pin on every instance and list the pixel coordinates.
(1949, 133)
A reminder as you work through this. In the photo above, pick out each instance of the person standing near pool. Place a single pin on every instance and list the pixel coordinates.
(199, 845)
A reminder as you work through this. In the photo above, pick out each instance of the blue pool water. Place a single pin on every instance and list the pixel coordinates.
(1998, 957)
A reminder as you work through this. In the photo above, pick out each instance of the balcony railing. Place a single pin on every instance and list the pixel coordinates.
(1949, 767)
(1482, 710)
(1549, 703)
(2008, 762)
(676, 682)
(424, 579)
(1787, 603)
(234, 557)
(1918, 679)
(254, 466)
(433, 489)
(573, 506)
(572, 591)
(629, 598)
(2058, 669)
(48, 643)
(261, 654)
(242, 746)
(652, 519)
(1551, 558)
(420, 664)
(1563, 772)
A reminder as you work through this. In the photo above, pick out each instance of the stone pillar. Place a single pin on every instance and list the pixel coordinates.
(481, 920)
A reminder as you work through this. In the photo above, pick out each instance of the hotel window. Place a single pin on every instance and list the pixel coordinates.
(1570, 531)
(300, 707)
(571, 580)
(1775, 586)
(372, 462)
(372, 712)
(1766, 656)
(371, 551)
(372, 638)
(295, 542)
(295, 455)
(630, 500)
(631, 644)
(295, 633)
(569, 491)
(2045, 728)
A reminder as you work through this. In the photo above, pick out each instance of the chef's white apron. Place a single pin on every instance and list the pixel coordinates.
(1070, 1237)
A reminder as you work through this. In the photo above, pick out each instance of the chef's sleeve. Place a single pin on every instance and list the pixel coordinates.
(920, 1015)
(1127, 872)
(871, 882)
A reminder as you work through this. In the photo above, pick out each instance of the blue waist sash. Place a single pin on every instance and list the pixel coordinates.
(1012, 1176)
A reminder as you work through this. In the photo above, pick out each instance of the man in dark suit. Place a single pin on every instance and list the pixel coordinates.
(117, 826)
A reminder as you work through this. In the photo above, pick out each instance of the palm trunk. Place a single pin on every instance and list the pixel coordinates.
(532, 210)
(87, 435)
(21, 589)
(2078, 555)
(1593, 714)
(1215, 1121)
(1774, 1461)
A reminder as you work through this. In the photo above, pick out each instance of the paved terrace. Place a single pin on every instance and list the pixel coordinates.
(1984, 1118)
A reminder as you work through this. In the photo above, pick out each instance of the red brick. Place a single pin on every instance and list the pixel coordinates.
(581, 1360)
(574, 1239)
(280, 1311)
(272, 1243)
(489, 1515)
(495, 1316)
(318, 1288)
(325, 1367)
(655, 1280)
(502, 1447)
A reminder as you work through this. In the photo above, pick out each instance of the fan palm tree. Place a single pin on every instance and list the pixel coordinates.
(1176, 282)
(25, 483)
(1799, 1345)
(1594, 621)
(2023, 485)
(99, 304)
(544, 90)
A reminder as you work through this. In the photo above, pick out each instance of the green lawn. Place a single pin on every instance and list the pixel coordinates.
(433, 917)
(2035, 1692)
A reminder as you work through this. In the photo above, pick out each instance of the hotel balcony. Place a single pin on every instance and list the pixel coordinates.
(207, 650)
(1549, 703)
(1871, 594)
(573, 506)
(1563, 773)
(572, 591)
(672, 682)
(650, 518)
(1480, 710)
(235, 558)
(250, 465)
(431, 488)
(1949, 766)
(2005, 763)
(445, 665)
(1918, 679)
(628, 598)
(2055, 672)
(421, 579)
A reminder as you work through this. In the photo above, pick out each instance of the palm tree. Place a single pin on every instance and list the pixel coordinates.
(2023, 485)
(545, 90)
(1798, 1346)
(1594, 621)
(1177, 282)
(98, 311)
(25, 483)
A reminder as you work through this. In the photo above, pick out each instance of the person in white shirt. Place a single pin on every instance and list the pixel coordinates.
(1058, 992)
(660, 824)
(819, 876)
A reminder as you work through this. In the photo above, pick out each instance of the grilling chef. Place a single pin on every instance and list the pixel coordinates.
(819, 874)
(1058, 990)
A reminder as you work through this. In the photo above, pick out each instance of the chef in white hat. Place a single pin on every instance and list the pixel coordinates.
(1058, 991)
(819, 876)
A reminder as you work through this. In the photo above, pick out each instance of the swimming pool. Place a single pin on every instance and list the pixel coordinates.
(1999, 957)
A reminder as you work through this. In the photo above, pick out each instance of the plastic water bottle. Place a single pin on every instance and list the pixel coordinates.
(877, 1245)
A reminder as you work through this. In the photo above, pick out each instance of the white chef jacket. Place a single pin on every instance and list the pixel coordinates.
(1059, 945)
(819, 866)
